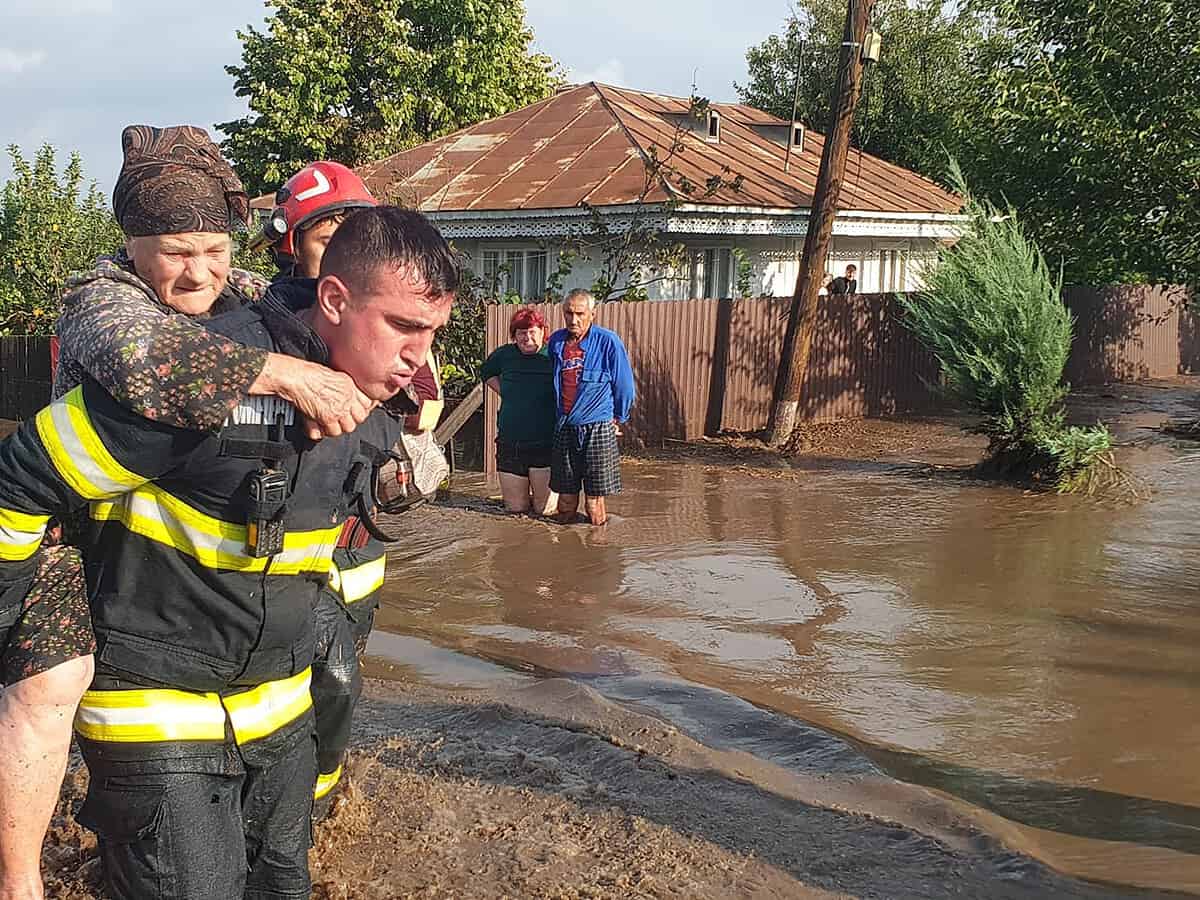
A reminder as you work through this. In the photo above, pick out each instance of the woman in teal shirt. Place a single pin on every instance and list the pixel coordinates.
(522, 374)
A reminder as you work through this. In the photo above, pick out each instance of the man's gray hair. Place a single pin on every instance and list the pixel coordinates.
(581, 292)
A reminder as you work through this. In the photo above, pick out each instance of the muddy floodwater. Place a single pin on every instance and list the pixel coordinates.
(1033, 658)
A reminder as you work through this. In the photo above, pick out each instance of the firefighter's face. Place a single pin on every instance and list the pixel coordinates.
(187, 271)
(380, 333)
(310, 246)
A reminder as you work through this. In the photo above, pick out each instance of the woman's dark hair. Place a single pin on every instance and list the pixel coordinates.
(389, 237)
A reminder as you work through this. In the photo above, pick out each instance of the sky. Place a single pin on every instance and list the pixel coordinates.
(74, 72)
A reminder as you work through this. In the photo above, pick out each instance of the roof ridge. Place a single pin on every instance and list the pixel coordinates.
(667, 189)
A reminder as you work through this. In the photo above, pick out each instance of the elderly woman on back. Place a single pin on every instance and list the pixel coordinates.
(522, 374)
(129, 324)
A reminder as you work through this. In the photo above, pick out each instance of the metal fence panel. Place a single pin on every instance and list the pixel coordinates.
(24, 376)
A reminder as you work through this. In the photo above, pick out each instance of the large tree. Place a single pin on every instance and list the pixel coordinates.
(354, 80)
(51, 225)
(914, 99)
(1090, 126)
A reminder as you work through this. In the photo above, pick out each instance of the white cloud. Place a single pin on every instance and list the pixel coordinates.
(13, 62)
(611, 71)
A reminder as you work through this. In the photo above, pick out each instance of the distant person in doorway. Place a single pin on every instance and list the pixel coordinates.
(594, 385)
(845, 284)
(522, 374)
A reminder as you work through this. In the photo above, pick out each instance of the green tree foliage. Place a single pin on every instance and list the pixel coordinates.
(1088, 124)
(356, 80)
(993, 315)
(914, 99)
(50, 227)
(459, 344)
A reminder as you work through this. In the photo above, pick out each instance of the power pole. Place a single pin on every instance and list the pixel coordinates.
(802, 316)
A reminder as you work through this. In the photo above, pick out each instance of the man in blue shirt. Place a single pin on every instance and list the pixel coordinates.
(593, 383)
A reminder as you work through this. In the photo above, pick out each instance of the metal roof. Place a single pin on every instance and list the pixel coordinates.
(588, 144)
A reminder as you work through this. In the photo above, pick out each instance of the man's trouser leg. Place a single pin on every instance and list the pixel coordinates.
(336, 686)
(342, 622)
(167, 834)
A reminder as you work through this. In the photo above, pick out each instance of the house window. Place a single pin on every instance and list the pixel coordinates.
(515, 271)
(797, 137)
(892, 266)
(712, 273)
(714, 126)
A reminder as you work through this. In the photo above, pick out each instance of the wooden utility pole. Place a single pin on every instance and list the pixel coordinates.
(802, 316)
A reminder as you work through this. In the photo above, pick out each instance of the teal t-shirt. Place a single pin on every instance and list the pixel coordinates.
(527, 406)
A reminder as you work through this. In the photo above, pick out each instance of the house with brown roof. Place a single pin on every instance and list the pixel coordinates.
(513, 191)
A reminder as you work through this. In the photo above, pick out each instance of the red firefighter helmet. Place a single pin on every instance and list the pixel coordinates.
(318, 190)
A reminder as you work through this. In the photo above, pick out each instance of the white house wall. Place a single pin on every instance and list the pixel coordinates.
(775, 262)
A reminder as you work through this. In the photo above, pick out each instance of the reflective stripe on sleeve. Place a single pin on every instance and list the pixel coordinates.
(77, 452)
(155, 715)
(360, 582)
(153, 513)
(20, 534)
(327, 782)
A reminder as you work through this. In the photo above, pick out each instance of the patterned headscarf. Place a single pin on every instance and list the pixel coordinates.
(174, 180)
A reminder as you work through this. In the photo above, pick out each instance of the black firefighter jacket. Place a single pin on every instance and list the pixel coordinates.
(177, 600)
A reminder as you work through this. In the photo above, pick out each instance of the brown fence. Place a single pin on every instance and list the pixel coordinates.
(24, 376)
(703, 366)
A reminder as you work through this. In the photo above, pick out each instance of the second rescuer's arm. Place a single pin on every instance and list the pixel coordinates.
(83, 447)
(167, 367)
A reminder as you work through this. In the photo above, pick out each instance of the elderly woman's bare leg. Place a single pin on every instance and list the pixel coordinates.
(515, 491)
(35, 737)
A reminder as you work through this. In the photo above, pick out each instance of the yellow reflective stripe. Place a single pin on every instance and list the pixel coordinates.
(145, 716)
(326, 783)
(268, 707)
(153, 513)
(77, 452)
(359, 582)
(20, 534)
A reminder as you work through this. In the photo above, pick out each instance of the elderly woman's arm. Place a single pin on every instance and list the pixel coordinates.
(167, 367)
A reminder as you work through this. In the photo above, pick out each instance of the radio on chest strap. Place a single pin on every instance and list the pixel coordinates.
(269, 487)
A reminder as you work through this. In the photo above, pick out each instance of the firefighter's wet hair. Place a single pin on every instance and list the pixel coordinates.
(391, 238)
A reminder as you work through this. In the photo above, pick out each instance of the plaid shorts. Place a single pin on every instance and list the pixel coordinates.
(586, 455)
(54, 625)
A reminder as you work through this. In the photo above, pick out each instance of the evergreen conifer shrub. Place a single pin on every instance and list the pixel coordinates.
(992, 313)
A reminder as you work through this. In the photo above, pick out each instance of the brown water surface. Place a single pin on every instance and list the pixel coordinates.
(1033, 656)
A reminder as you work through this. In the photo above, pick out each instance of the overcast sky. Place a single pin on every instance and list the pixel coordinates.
(74, 72)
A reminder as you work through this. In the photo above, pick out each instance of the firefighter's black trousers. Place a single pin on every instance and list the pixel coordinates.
(341, 635)
(170, 832)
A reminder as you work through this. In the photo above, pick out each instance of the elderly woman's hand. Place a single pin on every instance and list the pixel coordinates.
(329, 400)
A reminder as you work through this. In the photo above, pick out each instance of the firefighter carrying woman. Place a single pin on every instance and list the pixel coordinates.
(146, 442)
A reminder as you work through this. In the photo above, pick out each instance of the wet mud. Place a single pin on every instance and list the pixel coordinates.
(555, 791)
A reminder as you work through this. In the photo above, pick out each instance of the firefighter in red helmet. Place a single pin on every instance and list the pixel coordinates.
(308, 209)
